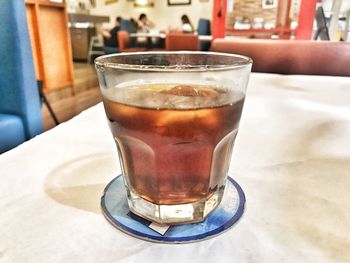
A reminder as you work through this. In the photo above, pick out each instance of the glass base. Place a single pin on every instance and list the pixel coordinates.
(174, 214)
(115, 208)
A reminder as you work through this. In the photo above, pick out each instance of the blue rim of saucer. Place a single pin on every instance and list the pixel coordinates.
(115, 209)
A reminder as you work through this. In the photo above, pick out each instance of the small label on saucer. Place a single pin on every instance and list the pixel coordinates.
(158, 228)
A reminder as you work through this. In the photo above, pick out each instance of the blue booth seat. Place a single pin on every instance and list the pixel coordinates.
(20, 115)
(11, 130)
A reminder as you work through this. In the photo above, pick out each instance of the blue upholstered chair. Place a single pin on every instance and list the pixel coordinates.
(204, 30)
(20, 116)
(203, 27)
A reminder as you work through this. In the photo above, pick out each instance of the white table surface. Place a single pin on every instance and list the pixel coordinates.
(206, 38)
(163, 35)
(292, 158)
(143, 34)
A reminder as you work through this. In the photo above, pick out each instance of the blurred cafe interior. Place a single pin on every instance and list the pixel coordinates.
(65, 36)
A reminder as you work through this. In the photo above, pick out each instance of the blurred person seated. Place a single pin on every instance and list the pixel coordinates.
(187, 26)
(144, 24)
(110, 37)
(132, 20)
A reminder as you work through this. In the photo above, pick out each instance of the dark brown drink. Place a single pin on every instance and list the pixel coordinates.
(175, 140)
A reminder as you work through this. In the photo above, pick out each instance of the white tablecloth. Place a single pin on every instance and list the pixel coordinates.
(292, 158)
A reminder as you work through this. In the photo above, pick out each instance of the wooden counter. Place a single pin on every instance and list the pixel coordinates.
(50, 40)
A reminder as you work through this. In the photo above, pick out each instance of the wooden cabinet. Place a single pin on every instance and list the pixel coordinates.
(50, 40)
(80, 38)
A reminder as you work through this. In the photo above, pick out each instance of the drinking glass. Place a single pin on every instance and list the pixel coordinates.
(174, 117)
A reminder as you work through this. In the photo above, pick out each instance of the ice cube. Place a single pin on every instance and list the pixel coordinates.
(206, 92)
(207, 117)
(183, 90)
(173, 118)
(191, 91)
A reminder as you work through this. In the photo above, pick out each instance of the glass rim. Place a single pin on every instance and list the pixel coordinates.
(103, 61)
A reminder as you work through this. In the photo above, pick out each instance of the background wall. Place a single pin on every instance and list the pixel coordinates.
(327, 6)
(161, 14)
(253, 8)
(250, 9)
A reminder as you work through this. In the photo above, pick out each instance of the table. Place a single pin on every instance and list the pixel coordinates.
(205, 38)
(163, 35)
(143, 35)
(292, 158)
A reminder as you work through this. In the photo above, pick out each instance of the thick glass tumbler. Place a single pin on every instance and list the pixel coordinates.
(174, 117)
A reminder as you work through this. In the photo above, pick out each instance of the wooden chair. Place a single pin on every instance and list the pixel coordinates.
(124, 43)
(181, 41)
